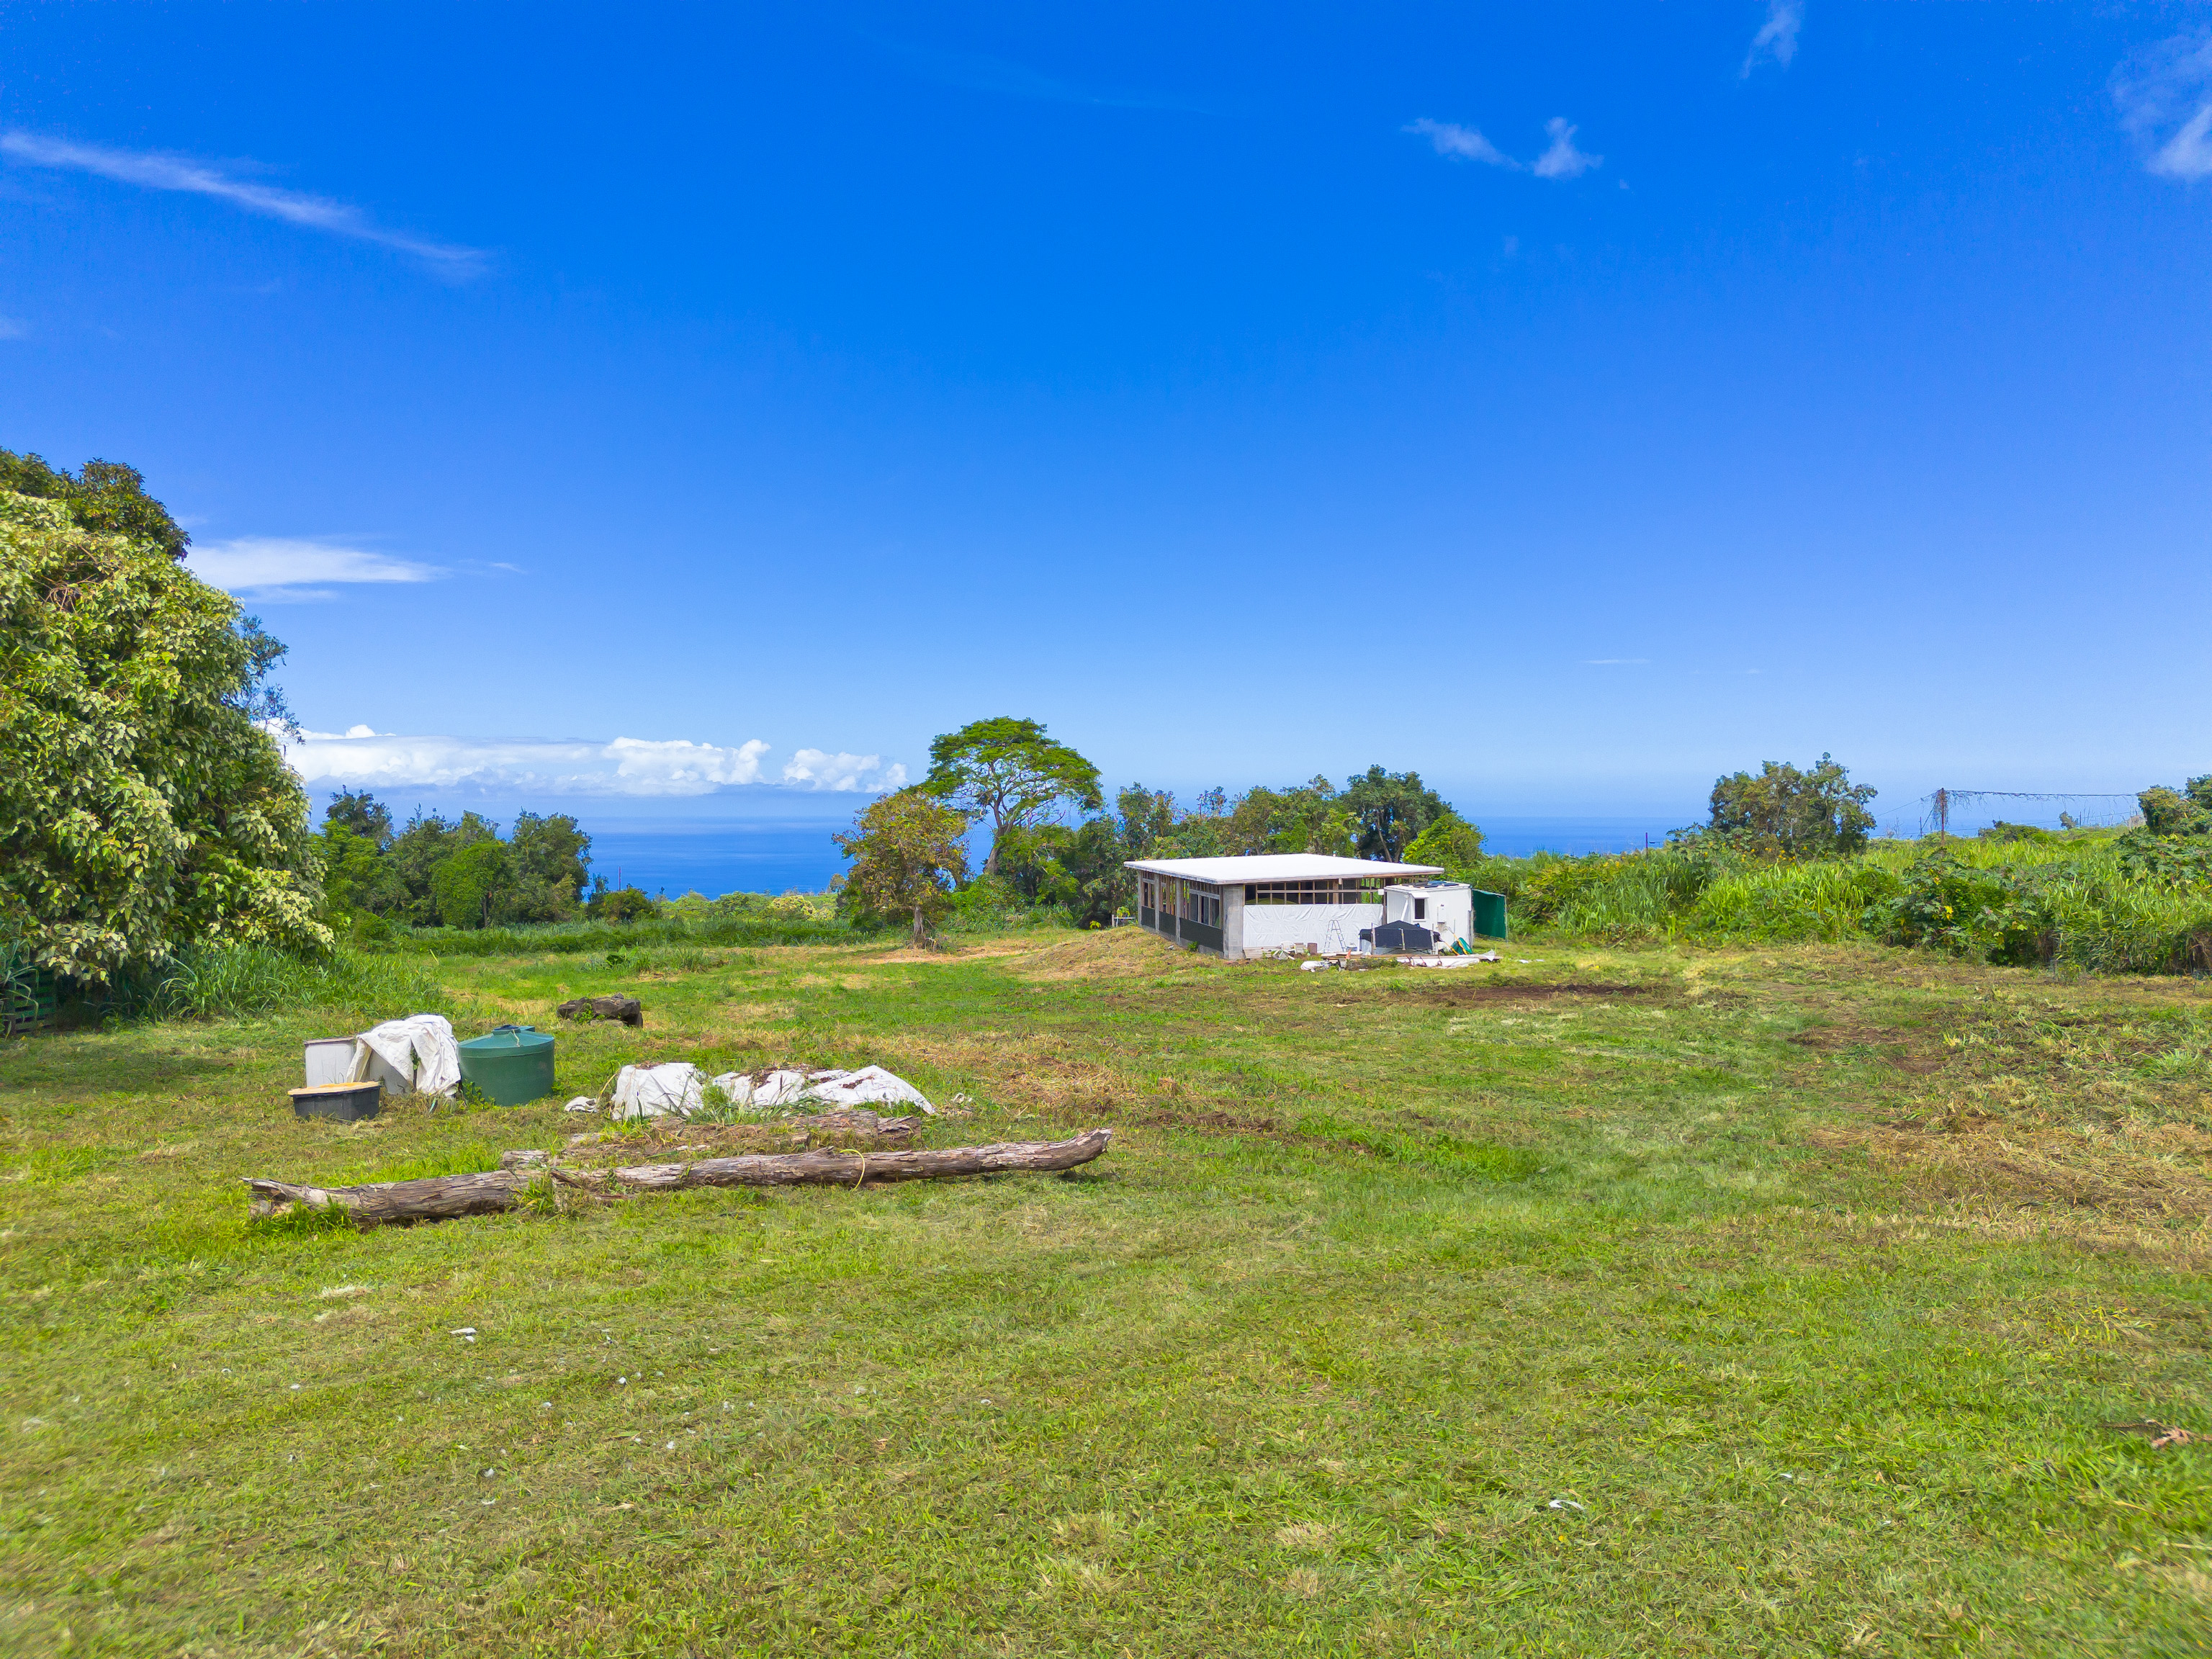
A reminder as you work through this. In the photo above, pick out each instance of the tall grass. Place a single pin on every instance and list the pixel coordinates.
(2082, 901)
(580, 937)
(211, 981)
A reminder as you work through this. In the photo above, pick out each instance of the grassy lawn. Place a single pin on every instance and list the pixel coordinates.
(1614, 1302)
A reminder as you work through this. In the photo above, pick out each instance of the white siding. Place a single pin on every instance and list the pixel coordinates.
(1449, 911)
(1280, 927)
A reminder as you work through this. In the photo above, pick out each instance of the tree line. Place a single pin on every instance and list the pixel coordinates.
(1054, 842)
(456, 874)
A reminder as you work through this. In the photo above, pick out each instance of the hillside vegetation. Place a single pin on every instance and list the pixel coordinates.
(2099, 901)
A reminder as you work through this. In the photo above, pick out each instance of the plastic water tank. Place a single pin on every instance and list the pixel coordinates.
(511, 1064)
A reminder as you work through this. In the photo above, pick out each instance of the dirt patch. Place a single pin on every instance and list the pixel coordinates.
(1465, 995)
(1912, 1055)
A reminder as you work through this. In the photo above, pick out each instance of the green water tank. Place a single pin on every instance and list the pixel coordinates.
(511, 1063)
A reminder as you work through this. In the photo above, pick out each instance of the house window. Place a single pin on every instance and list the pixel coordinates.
(1420, 909)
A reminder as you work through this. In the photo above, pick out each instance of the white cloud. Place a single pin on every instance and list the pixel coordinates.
(1563, 159)
(818, 770)
(1777, 35)
(152, 170)
(1463, 143)
(554, 766)
(285, 568)
(2165, 98)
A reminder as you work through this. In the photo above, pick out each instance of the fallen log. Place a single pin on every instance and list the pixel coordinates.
(443, 1198)
(829, 1167)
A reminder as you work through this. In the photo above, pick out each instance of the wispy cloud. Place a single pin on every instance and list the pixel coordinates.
(1563, 159)
(2165, 98)
(556, 767)
(1614, 662)
(277, 567)
(978, 73)
(1463, 143)
(156, 170)
(14, 328)
(1776, 38)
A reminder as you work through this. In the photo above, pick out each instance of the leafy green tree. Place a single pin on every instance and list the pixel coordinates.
(547, 856)
(1392, 809)
(105, 498)
(359, 877)
(1785, 813)
(427, 842)
(362, 813)
(2177, 811)
(620, 904)
(1142, 819)
(463, 883)
(1450, 842)
(141, 808)
(908, 851)
(1008, 771)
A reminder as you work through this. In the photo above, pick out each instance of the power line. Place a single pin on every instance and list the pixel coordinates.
(1940, 803)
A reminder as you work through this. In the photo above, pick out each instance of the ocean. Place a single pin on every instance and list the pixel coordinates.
(780, 855)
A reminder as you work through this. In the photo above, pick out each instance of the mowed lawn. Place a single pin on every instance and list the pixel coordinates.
(1608, 1301)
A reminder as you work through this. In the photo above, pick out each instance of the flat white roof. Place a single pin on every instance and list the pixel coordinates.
(1277, 866)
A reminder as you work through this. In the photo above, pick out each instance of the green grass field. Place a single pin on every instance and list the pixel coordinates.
(1658, 1301)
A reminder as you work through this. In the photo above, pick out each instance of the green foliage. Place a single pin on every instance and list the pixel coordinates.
(619, 904)
(1008, 771)
(463, 883)
(359, 877)
(361, 813)
(2134, 903)
(1450, 842)
(460, 874)
(1786, 813)
(908, 853)
(104, 498)
(28, 994)
(2003, 831)
(2178, 812)
(1392, 808)
(141, 808)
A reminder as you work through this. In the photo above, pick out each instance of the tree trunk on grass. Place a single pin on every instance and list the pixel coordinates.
(441, 1197)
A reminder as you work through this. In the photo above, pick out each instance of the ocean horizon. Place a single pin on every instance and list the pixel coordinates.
(781, 855)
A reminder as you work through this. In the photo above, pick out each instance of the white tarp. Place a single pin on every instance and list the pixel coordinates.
(417, 1053)
(870, 1085)
(678, 1089)
(673, 1089)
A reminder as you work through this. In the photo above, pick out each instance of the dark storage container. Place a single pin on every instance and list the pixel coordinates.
(511, 1064)
(348, 1103)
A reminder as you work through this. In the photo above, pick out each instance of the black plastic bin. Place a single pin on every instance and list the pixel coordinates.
(348, 1102)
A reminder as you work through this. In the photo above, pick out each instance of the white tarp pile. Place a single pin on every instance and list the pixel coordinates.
(676, 1088)
(416, 1053)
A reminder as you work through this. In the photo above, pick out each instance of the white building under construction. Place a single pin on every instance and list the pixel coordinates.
(1308, 903)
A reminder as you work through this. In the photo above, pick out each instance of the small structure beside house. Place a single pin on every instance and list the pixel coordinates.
(1302, 902)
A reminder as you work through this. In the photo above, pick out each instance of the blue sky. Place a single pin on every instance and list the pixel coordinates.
(1569, 403)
